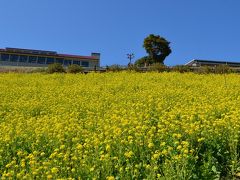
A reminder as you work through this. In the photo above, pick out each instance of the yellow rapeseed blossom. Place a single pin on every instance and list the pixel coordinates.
(150, 145)
(129, 154)
(110, 178)
(54, 170)
(118, 125)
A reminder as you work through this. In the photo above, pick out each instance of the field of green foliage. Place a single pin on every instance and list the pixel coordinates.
(119, 126)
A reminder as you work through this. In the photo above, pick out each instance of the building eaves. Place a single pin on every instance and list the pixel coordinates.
(76, 56)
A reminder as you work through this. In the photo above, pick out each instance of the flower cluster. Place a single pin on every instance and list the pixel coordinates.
(119, 126)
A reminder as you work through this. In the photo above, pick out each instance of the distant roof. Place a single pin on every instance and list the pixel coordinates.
(212, 62)
(48, 53)
(32, 51)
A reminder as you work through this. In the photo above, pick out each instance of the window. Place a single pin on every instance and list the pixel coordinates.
(59, 60)
(41, 60)
(14, 57)
(77, 62)
(67, 62)
(23, 58)
(85, 64)
(50, 60)
(32, 59)
(4, 57)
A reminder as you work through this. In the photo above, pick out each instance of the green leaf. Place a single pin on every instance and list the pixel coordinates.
(214, 169)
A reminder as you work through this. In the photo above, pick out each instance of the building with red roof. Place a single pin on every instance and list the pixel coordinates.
(41, 58)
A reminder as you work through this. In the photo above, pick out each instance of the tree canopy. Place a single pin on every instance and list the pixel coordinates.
(157, 47)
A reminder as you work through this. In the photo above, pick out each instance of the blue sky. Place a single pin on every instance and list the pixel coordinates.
(200, 29)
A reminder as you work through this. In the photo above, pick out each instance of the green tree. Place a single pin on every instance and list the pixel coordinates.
(157, 47)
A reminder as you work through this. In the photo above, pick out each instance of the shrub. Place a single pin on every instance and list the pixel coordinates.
(135, 68)
(132, 67)
(205, 70)
(158, 67)
(115, 68)
(144, 61)
(38, 70)
(74, 68)
(55, 68)
(181, 68)
(222, 69)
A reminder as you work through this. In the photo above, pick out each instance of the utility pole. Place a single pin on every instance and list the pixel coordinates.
(130, 57)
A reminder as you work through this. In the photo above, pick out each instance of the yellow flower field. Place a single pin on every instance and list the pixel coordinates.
(119, 126)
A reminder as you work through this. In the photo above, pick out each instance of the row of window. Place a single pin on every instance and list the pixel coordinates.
(41, 60)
